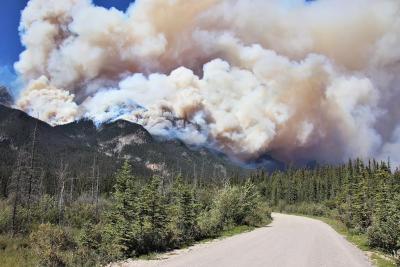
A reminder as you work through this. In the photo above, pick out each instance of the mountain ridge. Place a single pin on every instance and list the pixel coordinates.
(5, 97)
(81, 145)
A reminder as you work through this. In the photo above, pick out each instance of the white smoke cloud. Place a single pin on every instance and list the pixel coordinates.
(48, 103)
(302, 81)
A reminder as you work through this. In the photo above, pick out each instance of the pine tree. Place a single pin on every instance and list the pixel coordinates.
(183, 211)
(119, 230)
(153, 212)
(362, 216)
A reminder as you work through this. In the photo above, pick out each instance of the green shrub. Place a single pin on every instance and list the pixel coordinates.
(259, 215)
(233, 206)
(227, 207)
(385, 230)
(397, 256)
(312, 209)
(253, 210)
(52, 244)
(5, 217)
(384, 236)
(16, 252)
(78, 214)
(46, 210)
(209, 223)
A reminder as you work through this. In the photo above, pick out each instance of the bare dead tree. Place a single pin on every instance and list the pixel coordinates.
(93, 179)
(202, 170)
(41, 183)
(71, 188)
(61, 173)
(16, 178)
(194, 174)
(31, 164)
(97, 191)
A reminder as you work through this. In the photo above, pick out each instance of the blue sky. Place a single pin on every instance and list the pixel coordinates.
(10, 12)
(10, 46)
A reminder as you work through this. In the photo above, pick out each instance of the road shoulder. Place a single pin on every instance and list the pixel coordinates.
(378, 258)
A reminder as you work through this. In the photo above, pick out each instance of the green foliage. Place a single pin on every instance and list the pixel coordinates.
(5, 216)
(183, 210)
(152, 218)
(119, 230)
(234, 206)
(385, 230)
(46, 210)
(90, 236)
(363, 197)
(52, 245)
(79, 213)
(157, 217)
(90, 242)
(143, 217)
(312, 209)
(16, 252)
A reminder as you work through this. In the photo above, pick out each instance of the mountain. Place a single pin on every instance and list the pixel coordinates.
(5, 97)
(87, 149)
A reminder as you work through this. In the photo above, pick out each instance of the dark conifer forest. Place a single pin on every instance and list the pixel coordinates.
(365, 196)
(90, 202)
(137, 130)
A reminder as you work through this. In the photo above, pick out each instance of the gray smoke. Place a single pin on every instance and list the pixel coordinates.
(298, 80)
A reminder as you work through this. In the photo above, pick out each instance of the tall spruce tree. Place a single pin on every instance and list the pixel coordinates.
(153, 216)
(120, 224)
(184, 211)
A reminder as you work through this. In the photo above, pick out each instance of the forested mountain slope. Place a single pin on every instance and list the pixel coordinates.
(88, 153)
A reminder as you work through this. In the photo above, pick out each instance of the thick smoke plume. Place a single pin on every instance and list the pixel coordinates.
(299, 80)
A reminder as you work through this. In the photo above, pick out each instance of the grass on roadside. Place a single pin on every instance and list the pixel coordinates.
(226, 233)
(360, 240)
(16, 251)
(237, 230)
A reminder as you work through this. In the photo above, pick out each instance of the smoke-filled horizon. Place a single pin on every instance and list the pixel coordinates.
(300, 81)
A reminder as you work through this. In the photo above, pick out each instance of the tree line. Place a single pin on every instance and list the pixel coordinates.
(101, 216)
(137, 218)
(364, 196)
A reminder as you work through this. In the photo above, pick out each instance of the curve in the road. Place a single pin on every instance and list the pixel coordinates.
(290, 241)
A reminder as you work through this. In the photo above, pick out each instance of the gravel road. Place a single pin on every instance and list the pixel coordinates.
(290, 241)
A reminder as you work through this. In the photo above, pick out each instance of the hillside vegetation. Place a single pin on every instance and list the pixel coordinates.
(78, 195)
(364, 197)
(138, 218)
(90, 155)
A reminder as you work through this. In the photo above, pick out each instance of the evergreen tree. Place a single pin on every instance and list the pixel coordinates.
(119, 230)
(184, 211)
(153, 216)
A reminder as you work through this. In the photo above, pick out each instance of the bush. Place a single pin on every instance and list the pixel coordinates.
(90, 251)
(385, 237)
(234, 206)
(52, 245)
(397, 256)
(46, 210)
(78, 214)
(385, 230)
(226, 207)
(259, 215)
(5, 217)
(311, 209)
(90, 236)
(209, 223)
(254, 211)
